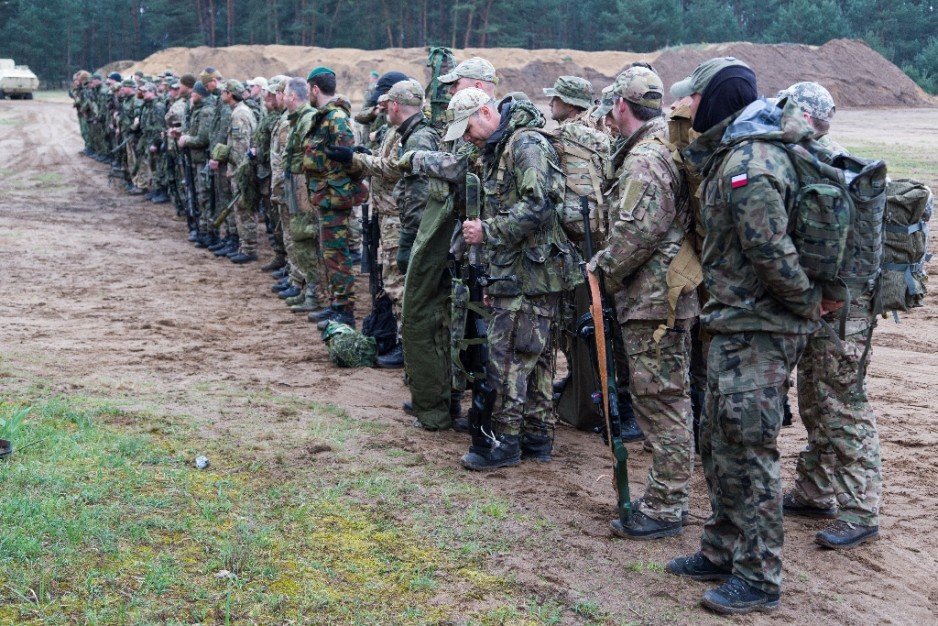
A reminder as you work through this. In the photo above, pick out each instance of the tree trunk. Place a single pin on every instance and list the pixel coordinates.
(485, 24)
(468, 33)
(230, 11)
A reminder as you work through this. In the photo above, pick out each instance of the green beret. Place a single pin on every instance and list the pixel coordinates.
(317, 71)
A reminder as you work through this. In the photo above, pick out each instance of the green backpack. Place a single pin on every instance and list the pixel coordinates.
(348, 347)
(909, 206)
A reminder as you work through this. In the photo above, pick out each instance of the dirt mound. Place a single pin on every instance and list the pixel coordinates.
(855, 74)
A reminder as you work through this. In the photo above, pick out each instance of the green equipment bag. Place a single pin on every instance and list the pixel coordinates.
(909, 206)
(348, 347)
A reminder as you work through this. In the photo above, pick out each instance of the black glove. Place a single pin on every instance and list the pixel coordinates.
(340, 154)
(361, 150)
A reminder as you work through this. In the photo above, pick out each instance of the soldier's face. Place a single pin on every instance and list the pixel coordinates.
(481, 125)
(559, 110)
(462, 83)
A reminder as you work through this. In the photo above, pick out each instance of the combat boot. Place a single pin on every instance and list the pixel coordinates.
(290, 292)
(341, 314)
(193, 235)
(791, 505)
(502, 451)
(280, 285)
(644, 528)
(277, 263)
(159, 196)
(843, 535)
(202, 240)
(392, 360)
(630, 429)
(235, 247)
(736, 597)
(219, 244)
(326, 314)
(242, 257)
(281, 272)
(309, 303)
(536, 447)
(293, 300)
(460, 423)
(697, 567)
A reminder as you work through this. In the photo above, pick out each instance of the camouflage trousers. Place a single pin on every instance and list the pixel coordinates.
(355, 229)
(273, 218)
(841, 464)
(659, 385)
(158, 173)
(387, 255)
(245, 221)
(305, 232)
(203, 189)
(85, 134)
(747, 379)
(521, 363)
(223, 195)
(142, 178)
(336, 256)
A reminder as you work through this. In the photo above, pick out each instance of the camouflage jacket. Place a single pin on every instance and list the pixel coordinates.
(218, 131)
(523, 186)
(380, 166)
(648, 216)
(239, 135)
(300, 121)
(330, 185)
(199, 134)
(152, 122)
(126, 116)
(751, 268)
(278, 144)
(261, 141)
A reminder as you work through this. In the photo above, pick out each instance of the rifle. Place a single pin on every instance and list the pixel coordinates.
(174, 184)
(597, 327)
(288, 192)
(120, 145)
(210, 176)
(370, 238)
(380, 323)
(218, 221)
(192, 203)
(366, 241)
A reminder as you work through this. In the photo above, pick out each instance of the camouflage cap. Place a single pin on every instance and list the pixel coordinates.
(200, 88)
(209, 74)
(698, 81)
(639, 85)
(233, 86)
(461, 107)
(277, 84)
(475, 68)
(257, 81)
(813, 99)
(129, 82)
(409, 92)
(147, 86)
(573, 90)
(95, 76)
(605, 104)
(175, 84)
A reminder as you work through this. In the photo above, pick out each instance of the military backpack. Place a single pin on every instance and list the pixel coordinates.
(909, 207)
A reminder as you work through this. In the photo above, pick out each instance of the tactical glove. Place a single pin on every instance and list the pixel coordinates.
(339, 154)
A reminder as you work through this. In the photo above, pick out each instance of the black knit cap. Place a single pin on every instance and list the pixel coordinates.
(384, 85)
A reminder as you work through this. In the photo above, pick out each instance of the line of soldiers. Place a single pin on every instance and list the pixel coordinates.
(652, 190)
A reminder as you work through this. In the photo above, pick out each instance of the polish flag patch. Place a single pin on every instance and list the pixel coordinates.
(740, 180)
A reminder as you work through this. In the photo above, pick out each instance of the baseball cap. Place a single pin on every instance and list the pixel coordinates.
(408, 92)
(208, 74)
(460, 109)
(475, 68)
(605, 104)
(385, 82)
(277, 84)
(698, 81)
(639, 85)
(813, 99)
(573, 90)
(257, 81)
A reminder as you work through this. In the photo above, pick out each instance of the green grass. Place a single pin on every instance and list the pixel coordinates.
(107, 521)
(902, 161)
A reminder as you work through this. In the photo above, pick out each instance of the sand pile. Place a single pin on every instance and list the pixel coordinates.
(855, 74)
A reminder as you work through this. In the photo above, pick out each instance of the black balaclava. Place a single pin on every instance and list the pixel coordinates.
(731, 89)
(384, 85)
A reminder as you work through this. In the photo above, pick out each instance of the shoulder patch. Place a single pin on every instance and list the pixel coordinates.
(740, 180)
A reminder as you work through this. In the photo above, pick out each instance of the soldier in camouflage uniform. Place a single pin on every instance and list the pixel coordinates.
(412, 131)
(306, 283)
(839, 472)
(235, 159)
(270, 125)
(152, 126)
(230, 244)
(649, 221)
(196, 140)
(761, 311)
(332, 192)
(142, 176)
(530, 261)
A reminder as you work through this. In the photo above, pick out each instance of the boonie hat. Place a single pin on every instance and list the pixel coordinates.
(460, 109)
(475, 68)
(573, 90)
(409, 92)
(698, 81)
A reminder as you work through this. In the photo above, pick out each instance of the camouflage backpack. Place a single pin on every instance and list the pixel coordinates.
(348, 347)
(909, 206)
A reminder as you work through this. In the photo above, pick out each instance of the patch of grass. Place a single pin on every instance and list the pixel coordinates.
(641, 567)
(901, 161)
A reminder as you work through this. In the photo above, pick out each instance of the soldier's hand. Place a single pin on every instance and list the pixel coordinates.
(592, 264)
(252, 154)
(830, 306)
(340, 154)
(213, 165)
(472, 231)
(153, 149)
(182, 142)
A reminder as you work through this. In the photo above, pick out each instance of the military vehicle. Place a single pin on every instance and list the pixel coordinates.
(16, 81)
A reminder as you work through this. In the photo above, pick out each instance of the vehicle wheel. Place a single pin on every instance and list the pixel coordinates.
(2, 95)
(28, 96)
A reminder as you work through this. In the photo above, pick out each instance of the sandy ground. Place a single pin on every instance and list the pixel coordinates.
(100, 292)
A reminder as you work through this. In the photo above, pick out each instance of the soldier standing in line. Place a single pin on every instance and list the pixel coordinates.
(839, 473)
(263, 137)
(649, 223)
(152, 126)
(217, 150)
(234, 162)
(332, 192)
(762, 309)
(196, 140)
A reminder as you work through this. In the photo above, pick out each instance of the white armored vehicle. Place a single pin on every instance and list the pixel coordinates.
(16, 81)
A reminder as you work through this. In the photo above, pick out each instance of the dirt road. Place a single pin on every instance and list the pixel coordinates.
(102, 293)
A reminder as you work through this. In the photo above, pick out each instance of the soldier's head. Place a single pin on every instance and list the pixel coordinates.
(186, 83)
(322, 85)
(635, 98)
(127, 89)
(199, 91)
(210, 77)
(476, 73)
(569, 97)
(114, 79)
(717, 89)
(402, 101)
(296, 94)
(382, 86)
(147, 91)
(473, 115)
(273, 92)
(232, 92)
(816, 102)
(95, 80)
(255, 86)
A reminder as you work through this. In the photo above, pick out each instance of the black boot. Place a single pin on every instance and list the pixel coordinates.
(536, 447)
(159, 196)
(791, 505)
(503, 451)
(460, 423)
(644, 528)
(235, 247)
(696, 406)
(786, 417)
(697, 567)
(736, 597)
(843, 535)
(341, 314)
(219, 244)
(393, 359)
(630, 429)
(242, 257)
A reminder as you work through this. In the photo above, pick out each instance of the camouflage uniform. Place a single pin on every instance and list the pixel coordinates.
(152, 125)
(333, 194)
(197, 141)
(761, 310)
(649, 219)
(305, 228)
(218, 134)
(177, 117)
(261, 142)
(278, 143)
(238, 141)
